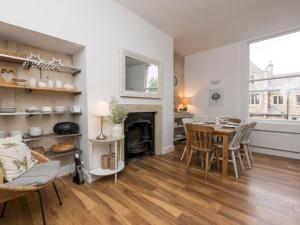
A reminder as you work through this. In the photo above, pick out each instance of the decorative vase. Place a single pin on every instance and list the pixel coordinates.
(117, 130)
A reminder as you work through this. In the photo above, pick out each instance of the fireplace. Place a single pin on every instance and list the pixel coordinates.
(139, 135)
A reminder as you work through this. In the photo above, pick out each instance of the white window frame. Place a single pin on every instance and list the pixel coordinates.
(246, 81)
(277, 98)
(297, 99)
(253, 96)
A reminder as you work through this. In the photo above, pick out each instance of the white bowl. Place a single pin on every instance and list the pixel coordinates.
(42, 84)
(68, 86)
(35, 131)
(47, 109)
(59, 109)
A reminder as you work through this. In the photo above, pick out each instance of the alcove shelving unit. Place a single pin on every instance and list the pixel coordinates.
(42, 66)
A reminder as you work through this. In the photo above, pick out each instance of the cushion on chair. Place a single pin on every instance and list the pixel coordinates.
(39, 174)
(15, 157)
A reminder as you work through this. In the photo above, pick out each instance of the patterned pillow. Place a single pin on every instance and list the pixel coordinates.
(15, 157)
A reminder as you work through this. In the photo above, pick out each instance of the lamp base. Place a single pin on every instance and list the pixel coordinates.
(101, 137)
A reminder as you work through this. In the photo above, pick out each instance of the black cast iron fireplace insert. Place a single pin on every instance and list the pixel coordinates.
(139, 135)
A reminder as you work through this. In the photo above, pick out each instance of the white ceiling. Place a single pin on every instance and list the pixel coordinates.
(198, 25)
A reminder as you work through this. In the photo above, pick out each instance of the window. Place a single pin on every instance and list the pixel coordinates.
(254, 99)
(297, 99)
(274, 76)
(277, 100)
(151, 82)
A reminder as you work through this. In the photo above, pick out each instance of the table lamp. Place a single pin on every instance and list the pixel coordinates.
(102, 110)
(185, 101)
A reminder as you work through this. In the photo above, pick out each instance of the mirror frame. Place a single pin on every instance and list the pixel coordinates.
(137, 94)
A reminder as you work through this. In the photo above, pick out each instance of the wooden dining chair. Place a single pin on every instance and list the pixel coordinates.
(234, 120)
(185, 121)
(200, 139)
(234, 147)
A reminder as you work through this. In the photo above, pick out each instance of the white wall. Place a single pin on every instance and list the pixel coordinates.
(104, 28)
(230, 64)
(224, 63)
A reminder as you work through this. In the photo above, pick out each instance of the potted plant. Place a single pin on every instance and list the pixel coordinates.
(118, 115)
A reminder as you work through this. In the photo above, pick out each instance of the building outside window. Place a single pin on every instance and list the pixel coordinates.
(274, 78)
(254, 99)
(277, 100)
(297, 99)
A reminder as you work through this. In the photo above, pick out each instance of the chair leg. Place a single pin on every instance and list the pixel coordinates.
(42, 208)
(3, 210)
(201, 158)
(183, 154)
(206, 164)
(247, 155)
(211, 159)
(234, 164)
(250, 153)
(57, 193)
(217, 158)
(240, 158)
(190, 158)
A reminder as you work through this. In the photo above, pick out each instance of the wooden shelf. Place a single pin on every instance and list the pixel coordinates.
(29, 114)
(55, 155)
(106, 172)
(28, 63)
(182, 115)
(179, 138)
(30, 89)
(50, 136)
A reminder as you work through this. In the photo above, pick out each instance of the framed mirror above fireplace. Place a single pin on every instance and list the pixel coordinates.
(140, 76)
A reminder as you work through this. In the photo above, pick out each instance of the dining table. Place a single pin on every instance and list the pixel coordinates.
(220, 131)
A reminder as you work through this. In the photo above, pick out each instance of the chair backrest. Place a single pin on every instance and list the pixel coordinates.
(200, 137)
(239, 134)
(185, 121)
(250, 128)
(234, 120)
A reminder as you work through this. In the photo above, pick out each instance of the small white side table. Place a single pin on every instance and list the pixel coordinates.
(119, 165)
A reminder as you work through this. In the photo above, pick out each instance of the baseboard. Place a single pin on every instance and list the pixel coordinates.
(168, 149)
(275, 152)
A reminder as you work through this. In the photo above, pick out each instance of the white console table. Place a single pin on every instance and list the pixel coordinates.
(119, 165)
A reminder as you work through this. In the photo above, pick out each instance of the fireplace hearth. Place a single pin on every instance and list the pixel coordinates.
(139, 135)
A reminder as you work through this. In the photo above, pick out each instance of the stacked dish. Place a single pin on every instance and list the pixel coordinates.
(33, 109)
(8, 109)
(4, 134)
(35, 131)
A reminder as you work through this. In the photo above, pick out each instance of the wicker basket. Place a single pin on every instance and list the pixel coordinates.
(112, 162)
(62, 147)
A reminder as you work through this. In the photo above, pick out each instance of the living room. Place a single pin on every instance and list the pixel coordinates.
(104, 103)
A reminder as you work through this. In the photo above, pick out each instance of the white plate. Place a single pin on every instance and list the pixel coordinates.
(228, 126)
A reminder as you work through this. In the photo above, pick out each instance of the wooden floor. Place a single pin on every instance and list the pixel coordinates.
(159, 190)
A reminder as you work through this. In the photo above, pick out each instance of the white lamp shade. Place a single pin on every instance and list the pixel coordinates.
(102, 109)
